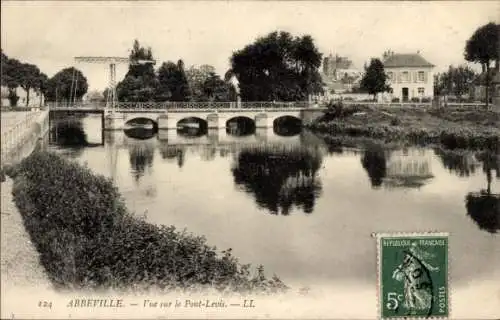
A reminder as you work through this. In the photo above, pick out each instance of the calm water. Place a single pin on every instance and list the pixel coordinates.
(303, 210)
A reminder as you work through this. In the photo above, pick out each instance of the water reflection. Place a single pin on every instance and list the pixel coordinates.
(484, 206)
(463, 164)
(374, 161)
(396, 168)
(69, 134)
(140, 133)
(280, 180)
(172, 152)
(141, 155)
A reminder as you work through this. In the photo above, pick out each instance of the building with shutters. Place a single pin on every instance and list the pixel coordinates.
(410, 76)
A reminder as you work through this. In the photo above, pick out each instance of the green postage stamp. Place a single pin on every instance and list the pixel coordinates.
(413, 275)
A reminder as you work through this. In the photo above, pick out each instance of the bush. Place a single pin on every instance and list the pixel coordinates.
(414, 99)
(426, 100)
(395, 100)
(87, 239)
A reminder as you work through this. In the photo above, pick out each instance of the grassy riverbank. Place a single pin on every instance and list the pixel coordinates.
(448, 128)
(87, 239)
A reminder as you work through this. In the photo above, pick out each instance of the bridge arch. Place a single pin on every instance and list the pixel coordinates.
(240, 125)
(287, 125)
(141, 122)
(192, 126)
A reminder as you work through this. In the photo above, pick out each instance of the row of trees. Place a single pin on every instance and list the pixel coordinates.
(18, 74)
(275, 67)
(171, 82)
(67, 84)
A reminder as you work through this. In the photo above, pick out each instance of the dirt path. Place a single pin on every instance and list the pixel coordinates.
(20, 264)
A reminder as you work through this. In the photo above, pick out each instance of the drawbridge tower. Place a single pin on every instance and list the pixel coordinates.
(111, 99)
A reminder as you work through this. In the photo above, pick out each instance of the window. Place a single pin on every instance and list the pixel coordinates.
(405, 76)
(421, 91)
(421, 76)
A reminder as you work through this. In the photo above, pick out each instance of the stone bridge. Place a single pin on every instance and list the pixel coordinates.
(263, 116)
(214, 119)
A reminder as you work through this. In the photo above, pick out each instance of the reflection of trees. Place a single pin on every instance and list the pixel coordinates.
(141, 158)
(70, 135)
(374, 161)
(280, 180)
(463, 164)
(484, 209)
(173, 152)
(484, 206)
(208, 153)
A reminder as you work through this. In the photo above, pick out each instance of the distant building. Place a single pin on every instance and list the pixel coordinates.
(410, 75)
(339, 74)
(35, 99)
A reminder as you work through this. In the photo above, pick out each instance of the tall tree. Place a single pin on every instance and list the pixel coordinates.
(374, 80)
(483, 48)
(172, 82)
(139, 84)
(278, 67)
(29, 79)
(67, 84)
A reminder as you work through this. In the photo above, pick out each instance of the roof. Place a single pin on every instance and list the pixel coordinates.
(406, 60)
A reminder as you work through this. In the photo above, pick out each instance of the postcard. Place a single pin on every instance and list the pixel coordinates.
(250, 159)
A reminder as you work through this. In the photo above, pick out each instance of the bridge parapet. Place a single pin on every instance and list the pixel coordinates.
(172, 105)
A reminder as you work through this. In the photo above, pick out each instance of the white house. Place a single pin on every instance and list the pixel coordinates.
(410, 76)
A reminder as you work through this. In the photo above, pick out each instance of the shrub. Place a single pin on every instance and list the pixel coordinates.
(87, 239)
(426, 100)
(395, 100)
(414, 99)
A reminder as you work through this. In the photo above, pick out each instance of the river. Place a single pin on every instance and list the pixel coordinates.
(303, 210)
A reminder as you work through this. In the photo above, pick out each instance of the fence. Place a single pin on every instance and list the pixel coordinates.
(15, 134)
(184, 105)
(456, 106)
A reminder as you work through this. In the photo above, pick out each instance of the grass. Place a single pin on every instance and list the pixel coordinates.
(87, 239)
(449, 128)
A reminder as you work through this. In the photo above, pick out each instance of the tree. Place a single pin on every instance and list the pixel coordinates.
(217, 89)
(278, 67)
(196, 77)
(17, 74)
(375, 78)
(66, 85)
(172, 82)
(456, 81)
(139, 84)
(483, 48)
(43, 81)
(29, 79)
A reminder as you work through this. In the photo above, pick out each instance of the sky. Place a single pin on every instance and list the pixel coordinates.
(50, 34)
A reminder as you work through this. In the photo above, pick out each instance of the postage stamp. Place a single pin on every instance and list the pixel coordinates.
(413, 275)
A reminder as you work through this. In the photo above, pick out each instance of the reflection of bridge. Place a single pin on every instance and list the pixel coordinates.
(215, 114)
(215, 137)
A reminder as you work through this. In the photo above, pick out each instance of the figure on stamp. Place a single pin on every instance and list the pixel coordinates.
(415, 274)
